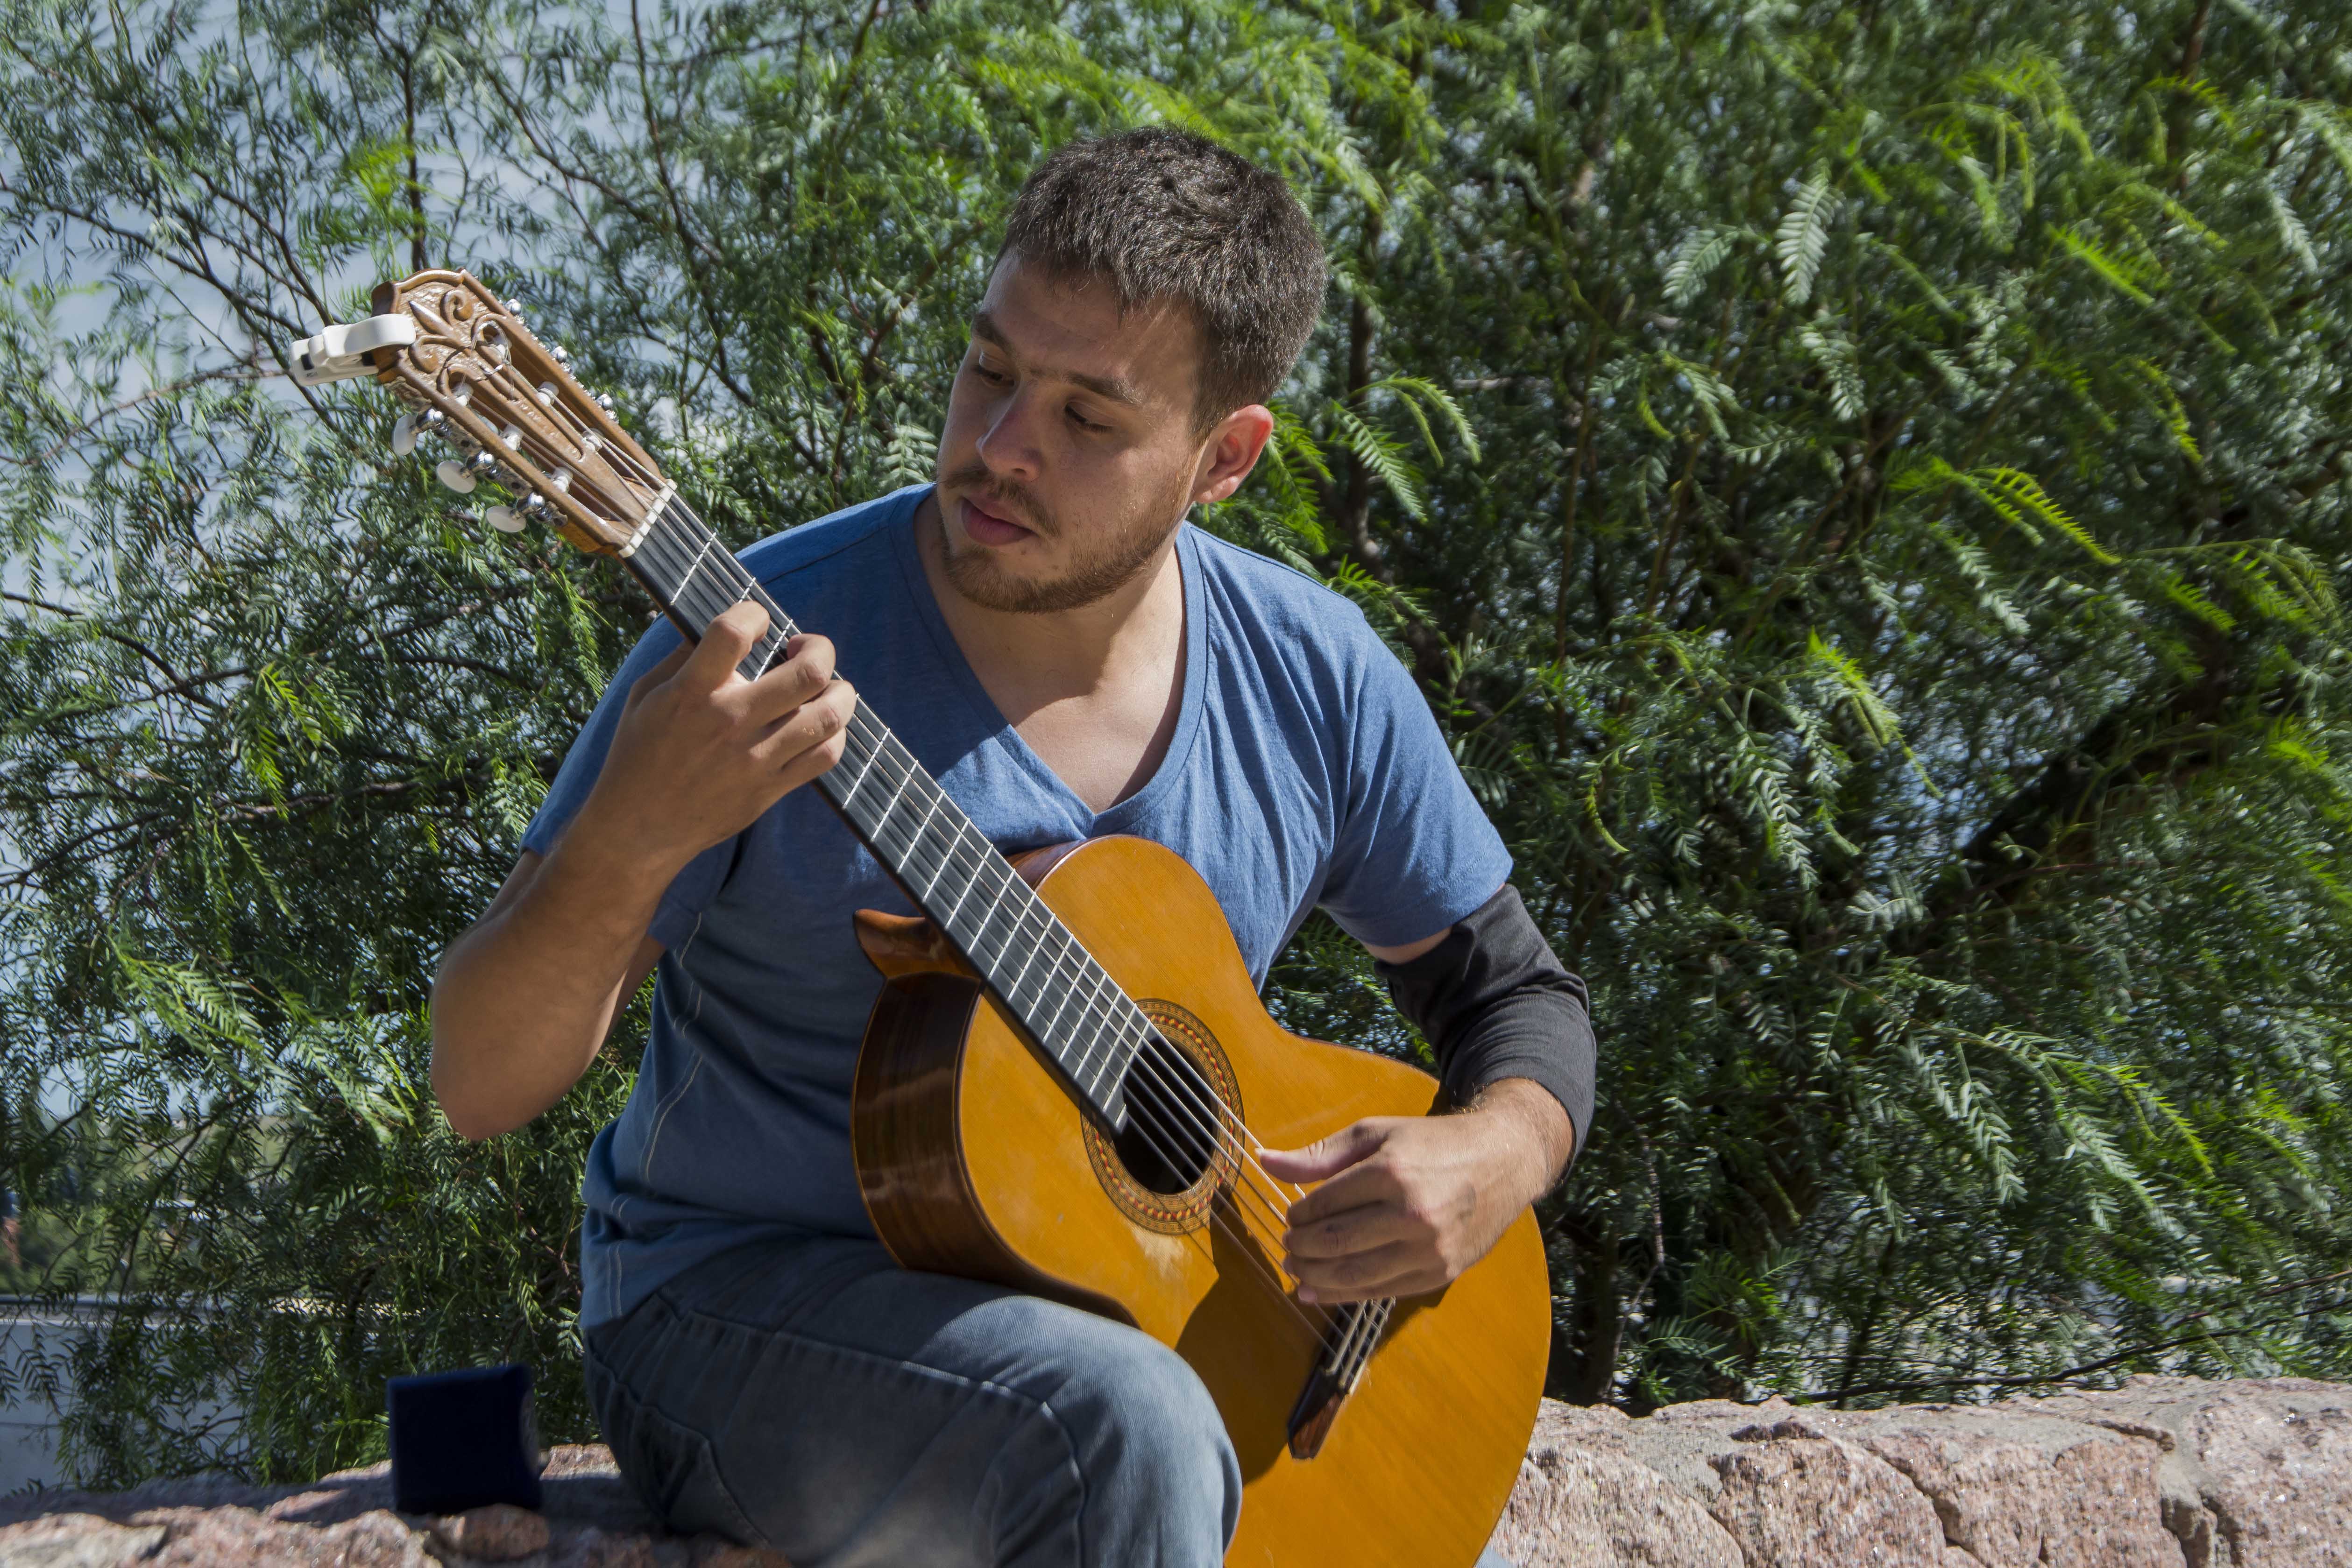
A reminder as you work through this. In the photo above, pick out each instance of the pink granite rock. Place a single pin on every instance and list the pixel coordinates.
(2282, 1477)
(498, 1534)
(2018, 1491)
(2257, 1473)
(1575, 1508)
(76, 1541)
(241, 1538)
(1819, 1502)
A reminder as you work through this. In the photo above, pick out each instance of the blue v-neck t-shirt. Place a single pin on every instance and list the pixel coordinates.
(1305, 770)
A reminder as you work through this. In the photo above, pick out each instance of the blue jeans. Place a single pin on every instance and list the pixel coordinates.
(813, 1397)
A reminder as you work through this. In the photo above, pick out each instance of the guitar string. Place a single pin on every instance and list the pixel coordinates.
(1172, 1126)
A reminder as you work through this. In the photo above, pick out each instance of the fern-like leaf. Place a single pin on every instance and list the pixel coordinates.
(1804, 237)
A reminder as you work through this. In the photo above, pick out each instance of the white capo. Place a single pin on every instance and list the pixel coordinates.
(339, 353)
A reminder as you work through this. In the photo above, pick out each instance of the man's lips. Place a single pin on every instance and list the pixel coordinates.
(988, 529)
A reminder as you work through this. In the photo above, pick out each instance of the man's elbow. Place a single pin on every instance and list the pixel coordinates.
(469, 1109)
(466, 1116)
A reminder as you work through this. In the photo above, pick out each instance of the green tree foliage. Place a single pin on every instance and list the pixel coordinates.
(1862, 486)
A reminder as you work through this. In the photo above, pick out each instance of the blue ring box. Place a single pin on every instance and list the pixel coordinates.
(463, 1439)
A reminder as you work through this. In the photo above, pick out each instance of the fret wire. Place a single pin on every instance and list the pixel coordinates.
(878, 764)
(678, 527)
(660, 574)
(668, 544)
(1010, 908)
(679, 590)
(851, 793)
(960, 827)
(695, 565)
(905, 778)
(923, 827)
(658, 564)
(709, 599)
(728, 567)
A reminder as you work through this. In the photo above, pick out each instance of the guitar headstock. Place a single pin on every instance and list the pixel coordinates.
(473, 375)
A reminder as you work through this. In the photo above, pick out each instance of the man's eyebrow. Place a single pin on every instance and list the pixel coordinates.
(984, 327)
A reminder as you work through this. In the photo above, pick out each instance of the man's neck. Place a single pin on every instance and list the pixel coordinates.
(1029, 660)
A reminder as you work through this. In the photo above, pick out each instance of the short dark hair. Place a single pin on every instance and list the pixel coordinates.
(1165, 213)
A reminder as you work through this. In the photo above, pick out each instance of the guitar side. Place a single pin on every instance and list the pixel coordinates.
(975, 1161)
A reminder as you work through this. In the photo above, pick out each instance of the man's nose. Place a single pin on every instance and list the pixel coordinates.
(1009, 446)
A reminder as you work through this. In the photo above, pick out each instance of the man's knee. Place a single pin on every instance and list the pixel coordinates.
(1156, 1479)
(1138, 1407)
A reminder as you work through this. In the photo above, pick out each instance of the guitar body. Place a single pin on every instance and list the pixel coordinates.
(975, 1160)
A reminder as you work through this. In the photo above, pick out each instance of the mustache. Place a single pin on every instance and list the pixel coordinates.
(1004, 500)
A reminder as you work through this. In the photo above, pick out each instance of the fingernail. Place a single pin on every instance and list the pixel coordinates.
(1306, 1295)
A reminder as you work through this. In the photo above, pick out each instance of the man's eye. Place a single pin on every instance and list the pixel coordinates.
(1083, 423)
(994, 378)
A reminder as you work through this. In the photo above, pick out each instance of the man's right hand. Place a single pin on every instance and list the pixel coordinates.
(525, 998)
(700, 753)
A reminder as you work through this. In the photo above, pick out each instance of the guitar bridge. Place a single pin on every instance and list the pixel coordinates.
(1335, 1376)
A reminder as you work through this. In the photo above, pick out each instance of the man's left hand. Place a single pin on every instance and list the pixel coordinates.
(1407, 1202)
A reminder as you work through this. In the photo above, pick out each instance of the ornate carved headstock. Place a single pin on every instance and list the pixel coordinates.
(474, 375)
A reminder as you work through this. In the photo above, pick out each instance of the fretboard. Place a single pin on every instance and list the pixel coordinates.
(946, 866)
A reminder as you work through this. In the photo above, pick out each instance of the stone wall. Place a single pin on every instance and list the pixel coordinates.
(2161, 1473)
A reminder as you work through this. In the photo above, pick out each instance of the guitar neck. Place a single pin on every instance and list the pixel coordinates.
(946, 865)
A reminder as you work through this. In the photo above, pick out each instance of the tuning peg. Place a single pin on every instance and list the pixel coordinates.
(547, 393)
(452, 472)
(403, 434)
(563, 355)
(514, 307)
(604, 401)
(506, 520)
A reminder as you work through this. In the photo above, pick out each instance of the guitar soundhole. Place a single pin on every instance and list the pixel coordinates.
(1177, 1151)
(1172, 1125)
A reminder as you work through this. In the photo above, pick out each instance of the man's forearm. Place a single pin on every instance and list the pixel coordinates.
(1535, 1124)
(1496, 1005)
(524, 998)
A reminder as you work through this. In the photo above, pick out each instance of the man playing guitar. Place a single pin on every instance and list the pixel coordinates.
(1071, 660)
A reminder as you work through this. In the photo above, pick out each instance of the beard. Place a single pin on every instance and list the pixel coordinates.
(1106, 562)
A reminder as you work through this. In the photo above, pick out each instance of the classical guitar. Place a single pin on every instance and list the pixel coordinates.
(1067, 1074)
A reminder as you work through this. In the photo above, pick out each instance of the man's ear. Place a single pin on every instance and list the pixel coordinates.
(1231, 452)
